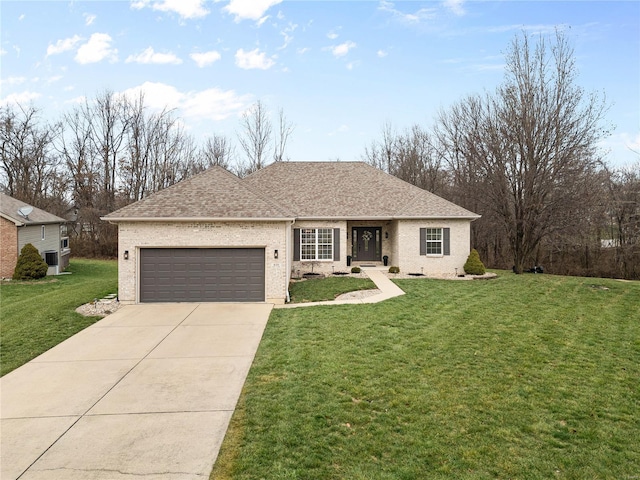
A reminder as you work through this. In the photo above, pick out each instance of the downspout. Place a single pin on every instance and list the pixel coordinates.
(289, 257)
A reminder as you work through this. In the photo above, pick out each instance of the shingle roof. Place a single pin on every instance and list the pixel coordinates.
(349, 190)
(287, 190)
(212, 194)
(9, 207)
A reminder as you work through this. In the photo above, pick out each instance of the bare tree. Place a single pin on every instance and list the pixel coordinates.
(285, 129)
(217, 150)
(29, 162)
(532, 145)
(255, 138)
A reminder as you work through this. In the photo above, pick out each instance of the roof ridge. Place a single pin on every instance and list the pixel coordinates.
(258, 192)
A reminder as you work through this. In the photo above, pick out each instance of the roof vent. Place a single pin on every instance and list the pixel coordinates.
(25, 211)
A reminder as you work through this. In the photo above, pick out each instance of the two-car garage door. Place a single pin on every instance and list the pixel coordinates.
(202, 275)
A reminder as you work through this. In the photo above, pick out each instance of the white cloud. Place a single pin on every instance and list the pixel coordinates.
(341, 129)
(63, 45)
(3, 51)
(249, 9)
(21, 98)
(455, 6)
(332, 35)
(382, 53)
(210, 104)
(303, 50)
(253, 59)
(13, 81)
(98, 48)
(187, 9)
(89, 19)
(55, 78)
(418, 16)
(77, 100)
(342, 49)
(287, 33)
(206, 58)
(22, 17)
(149, 56)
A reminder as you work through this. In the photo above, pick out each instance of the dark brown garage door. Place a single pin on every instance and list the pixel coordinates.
(202, 275)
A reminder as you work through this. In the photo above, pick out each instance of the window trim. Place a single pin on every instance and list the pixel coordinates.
(317, 244)
(439, 242)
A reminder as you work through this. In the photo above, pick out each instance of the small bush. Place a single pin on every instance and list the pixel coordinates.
(355, 270)
(394, 269)
(473, 265)
(30, 265)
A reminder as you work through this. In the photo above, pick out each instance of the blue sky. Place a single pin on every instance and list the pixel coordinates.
(338, 69)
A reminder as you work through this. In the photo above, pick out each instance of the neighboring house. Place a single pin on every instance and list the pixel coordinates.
(216, 237)
(21, 224)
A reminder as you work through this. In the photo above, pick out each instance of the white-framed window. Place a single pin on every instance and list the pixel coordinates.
(316, 244)
(434, 241)
(44, 230)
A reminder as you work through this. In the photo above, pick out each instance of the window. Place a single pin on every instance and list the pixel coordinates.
(316, 244)
(434, 241)
(64, 243)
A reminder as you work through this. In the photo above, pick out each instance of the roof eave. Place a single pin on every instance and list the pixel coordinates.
(196, 219)
(15, 221)
(392, 217)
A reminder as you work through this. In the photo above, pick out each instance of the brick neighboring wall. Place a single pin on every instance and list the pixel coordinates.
(8, 247)
(135, 235)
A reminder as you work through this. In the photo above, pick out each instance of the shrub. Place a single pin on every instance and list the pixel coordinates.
(30, 265)
(473, 265)
(394, 269)
(355, 270)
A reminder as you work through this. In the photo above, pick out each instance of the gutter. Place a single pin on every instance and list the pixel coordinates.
(194, 219)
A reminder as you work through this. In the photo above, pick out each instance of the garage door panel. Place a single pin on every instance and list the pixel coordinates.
(202, 274)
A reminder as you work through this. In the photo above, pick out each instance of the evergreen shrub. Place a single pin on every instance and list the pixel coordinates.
(30, 265)
(473, 265)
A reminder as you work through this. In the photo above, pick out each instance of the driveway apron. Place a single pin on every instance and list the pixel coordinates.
(146, 392)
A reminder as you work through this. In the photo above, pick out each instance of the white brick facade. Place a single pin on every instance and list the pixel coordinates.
(400, 242)
(406, 251)
(268, 235)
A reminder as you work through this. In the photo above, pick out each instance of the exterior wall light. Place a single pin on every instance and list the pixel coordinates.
(126, 254)
(275, 254)
(386, 234)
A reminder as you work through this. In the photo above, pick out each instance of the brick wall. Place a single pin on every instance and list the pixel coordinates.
(408, 256)
(269, 235)
(8, 247)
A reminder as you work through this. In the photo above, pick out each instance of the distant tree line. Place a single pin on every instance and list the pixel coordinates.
(526, 158)
(113, 150)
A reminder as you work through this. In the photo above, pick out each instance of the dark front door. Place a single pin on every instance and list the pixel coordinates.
(367, 246)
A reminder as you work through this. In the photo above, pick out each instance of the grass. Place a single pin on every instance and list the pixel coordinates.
(522, 377)
(40, 314)
(321, 289)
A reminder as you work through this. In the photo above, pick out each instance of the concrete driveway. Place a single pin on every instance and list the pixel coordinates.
(146, 392)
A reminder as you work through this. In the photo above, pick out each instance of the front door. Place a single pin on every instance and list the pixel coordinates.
(367, 244)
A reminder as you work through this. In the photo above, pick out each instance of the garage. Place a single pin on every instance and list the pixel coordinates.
(202, 275)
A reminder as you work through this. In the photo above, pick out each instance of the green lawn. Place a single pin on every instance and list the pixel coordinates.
(521, 377)
(38, 315)
(318, 290)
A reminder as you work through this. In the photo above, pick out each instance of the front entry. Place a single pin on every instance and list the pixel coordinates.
(367, 244)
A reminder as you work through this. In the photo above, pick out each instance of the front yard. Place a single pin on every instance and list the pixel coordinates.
(529, 376)
(38, 315)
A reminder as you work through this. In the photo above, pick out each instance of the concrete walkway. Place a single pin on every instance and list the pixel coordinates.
(147, 392)
(387, 288)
